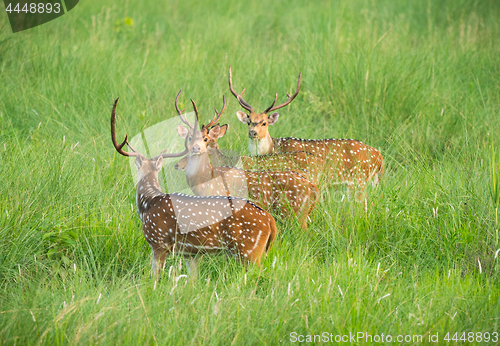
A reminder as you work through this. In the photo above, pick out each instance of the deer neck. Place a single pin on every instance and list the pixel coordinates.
(218, 159)
(261, 146)
(148, 188)
(199, 172)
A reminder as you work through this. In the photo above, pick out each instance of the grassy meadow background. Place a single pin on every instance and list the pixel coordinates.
(420, 80)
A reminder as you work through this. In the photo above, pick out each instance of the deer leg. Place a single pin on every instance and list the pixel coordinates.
(158, 261)
(161, 262)
(306, 210)
(376, 180)
(192, 266)
(303, 218)
(308, 204)
(154, 266)
(358, 195)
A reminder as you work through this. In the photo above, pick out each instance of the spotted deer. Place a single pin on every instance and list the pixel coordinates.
(349, 161)
(193, 225)
(287, 193)
(303, 162)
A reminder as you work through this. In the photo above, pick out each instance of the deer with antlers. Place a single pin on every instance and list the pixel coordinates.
(194, 225)
(349, 161)
(287, 193)
(303, 162)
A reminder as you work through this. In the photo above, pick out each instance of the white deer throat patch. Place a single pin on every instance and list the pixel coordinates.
(260, 147)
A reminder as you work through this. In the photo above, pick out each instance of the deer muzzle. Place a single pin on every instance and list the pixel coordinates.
(196, 149)
(252, 134)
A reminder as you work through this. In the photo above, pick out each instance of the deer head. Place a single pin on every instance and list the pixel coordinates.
(258, 123)
(202, 140)
(214, 133)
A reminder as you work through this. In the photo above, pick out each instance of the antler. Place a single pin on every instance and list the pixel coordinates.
(119, 147)
(183, 117)
(196, 114)
(186, 150)
(239, 96)
(184, 120)
(134, 152)
(290, 98)
(217, 116)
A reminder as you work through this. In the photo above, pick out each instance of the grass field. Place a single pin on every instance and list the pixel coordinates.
(419, 80)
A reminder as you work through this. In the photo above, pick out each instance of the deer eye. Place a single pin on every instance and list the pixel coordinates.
(264, 124)
(206, 139)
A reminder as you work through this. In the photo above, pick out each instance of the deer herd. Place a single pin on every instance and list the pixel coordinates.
(231, 209)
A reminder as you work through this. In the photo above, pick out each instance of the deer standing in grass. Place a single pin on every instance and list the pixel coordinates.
(349, 161)
(305, 163)
(194, 225)
(287, 193)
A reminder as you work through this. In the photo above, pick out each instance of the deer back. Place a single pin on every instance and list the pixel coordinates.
(348, 160)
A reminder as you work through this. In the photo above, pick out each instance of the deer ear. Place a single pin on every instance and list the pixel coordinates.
(242, 116)
(138, 162)
(214, 133)
(182, 131)
(273, 118)
(223, 130)
(159, 163)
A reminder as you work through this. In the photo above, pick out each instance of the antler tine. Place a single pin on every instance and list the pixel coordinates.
(119, 147)
(270, 107)
(130, 146)
(290, 98)
(183, 117)
(186, 150)
(217, 116)
(177, 100)
(239, 96)
(196, 119)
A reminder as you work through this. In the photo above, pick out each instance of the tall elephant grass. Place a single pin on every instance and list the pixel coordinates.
(417, 80)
